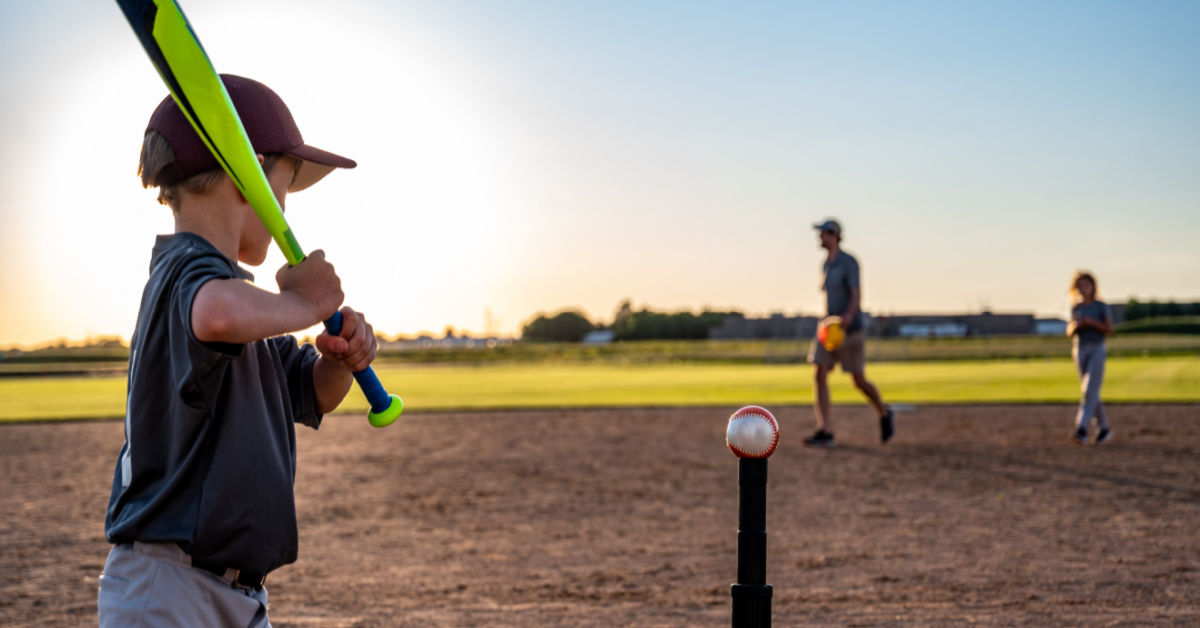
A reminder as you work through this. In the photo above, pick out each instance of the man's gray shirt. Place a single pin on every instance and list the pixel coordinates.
(840, 276)
(1097, 310)
(209, 460)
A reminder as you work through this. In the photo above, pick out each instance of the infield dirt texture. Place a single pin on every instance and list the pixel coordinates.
(973, 514)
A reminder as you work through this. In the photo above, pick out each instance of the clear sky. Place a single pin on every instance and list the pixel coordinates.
(520, 156)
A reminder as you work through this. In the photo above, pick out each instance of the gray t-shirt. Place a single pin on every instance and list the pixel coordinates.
(209, 460)
(1097, 310)
(839, 277)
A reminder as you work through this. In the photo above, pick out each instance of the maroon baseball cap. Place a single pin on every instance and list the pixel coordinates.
(268, 123)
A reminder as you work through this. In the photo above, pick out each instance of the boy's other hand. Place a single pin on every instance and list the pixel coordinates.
(354, 348)
(315, 282)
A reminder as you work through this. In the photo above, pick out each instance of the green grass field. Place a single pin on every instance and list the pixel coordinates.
(794, 351)
(1129, 379)
(83, 360)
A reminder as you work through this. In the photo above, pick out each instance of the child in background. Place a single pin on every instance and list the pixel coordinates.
(1091, 321)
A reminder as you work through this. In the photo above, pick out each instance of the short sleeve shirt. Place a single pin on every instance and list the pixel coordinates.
(839, 277)
(1097, 310)
(209, 460)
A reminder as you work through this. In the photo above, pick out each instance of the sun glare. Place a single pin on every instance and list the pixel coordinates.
(415, 230)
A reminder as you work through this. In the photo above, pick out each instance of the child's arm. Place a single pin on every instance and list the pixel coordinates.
(349, 352)
(1075, 323)
(1079, 321)
(236, 311)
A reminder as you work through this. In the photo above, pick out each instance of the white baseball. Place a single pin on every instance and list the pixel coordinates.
(752, 433)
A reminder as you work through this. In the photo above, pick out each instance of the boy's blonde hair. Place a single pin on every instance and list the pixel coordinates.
(157, 154)
(1081, 274)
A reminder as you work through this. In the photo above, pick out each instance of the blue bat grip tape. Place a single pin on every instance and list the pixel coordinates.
(366, 378)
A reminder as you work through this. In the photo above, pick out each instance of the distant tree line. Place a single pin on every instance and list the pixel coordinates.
(1135, 310)
(646, 324)
(564, 326)
(571, 325)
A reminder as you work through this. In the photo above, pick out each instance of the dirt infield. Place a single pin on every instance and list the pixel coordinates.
(982, 515)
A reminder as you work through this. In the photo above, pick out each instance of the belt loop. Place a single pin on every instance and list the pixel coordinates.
(253, 580)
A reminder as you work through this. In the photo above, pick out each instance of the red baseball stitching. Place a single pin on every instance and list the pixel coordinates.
(755, 411)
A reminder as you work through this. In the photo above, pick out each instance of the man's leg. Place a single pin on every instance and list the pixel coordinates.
(870, 391)
(887, 419)
(821, 404)
(822, 362)
(854, 362)
(821, 407)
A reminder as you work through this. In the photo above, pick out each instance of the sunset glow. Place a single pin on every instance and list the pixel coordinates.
(523, 157)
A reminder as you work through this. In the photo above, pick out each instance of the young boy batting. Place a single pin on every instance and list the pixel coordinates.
(202, 508)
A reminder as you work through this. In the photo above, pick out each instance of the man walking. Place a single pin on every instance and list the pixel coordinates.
(843, 298)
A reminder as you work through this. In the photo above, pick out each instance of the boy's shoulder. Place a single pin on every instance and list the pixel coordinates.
(185, 249)
(181, 264)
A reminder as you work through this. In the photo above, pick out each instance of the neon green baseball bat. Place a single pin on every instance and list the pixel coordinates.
(183, 65)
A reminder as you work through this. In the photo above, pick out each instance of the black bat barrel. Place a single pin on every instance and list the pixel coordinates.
(752, 594)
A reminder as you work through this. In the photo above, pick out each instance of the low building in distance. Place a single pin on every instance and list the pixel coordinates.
(599, 337)
(779, 326)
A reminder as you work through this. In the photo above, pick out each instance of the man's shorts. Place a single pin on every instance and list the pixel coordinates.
(852, 355)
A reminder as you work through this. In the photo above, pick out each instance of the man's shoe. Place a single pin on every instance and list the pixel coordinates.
(887, 426)
(1080, 437)
(1103, 437)
(820, 439)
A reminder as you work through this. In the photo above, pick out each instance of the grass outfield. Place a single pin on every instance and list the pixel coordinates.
(1152, 379)
(108, 359)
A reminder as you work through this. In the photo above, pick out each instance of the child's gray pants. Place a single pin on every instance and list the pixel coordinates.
(147, 585)
(1089, 359)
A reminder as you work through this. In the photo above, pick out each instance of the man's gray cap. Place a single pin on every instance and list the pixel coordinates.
(829, 225)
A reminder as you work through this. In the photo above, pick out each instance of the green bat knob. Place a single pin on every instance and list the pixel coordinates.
(388, 415)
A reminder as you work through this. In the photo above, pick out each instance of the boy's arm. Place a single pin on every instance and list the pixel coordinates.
(349, 352)
(236, 311)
